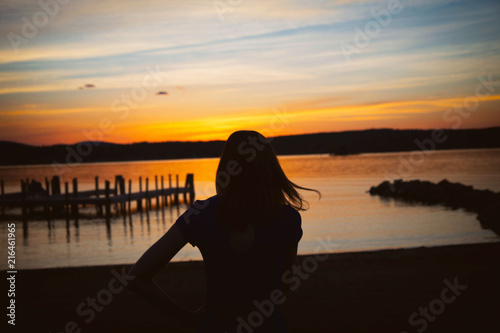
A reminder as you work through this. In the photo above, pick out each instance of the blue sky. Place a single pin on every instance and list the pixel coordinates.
(227, 65)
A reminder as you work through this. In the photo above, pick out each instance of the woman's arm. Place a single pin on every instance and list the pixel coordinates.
(157, 256)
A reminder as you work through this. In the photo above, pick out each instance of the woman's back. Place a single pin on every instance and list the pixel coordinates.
(243, 268)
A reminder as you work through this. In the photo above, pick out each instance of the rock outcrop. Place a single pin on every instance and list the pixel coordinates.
(485, 203)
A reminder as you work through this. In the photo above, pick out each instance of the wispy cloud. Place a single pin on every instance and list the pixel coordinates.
(263, 54)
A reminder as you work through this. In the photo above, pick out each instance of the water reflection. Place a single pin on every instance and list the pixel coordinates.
(94, 241)
(159, 211)
(367, 222)
(25, 230)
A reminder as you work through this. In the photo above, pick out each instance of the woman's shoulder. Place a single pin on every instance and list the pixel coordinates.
(290, 211)
(199, 210)
(196, 221)
(290, 222)
(207, 203)
(289, 215)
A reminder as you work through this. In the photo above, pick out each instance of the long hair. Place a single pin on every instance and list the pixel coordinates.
(251, 183)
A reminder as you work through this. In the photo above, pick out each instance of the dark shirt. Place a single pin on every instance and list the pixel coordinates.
(242, 269)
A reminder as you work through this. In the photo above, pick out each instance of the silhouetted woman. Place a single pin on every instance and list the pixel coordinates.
(247, 234)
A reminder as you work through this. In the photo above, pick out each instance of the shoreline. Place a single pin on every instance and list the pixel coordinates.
(371, 291)
(13, 166)
(367, 252)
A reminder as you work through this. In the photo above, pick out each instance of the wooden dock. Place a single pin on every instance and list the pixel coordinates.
(58, 204)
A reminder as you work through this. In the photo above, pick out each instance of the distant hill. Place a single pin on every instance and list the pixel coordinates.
(338, 143)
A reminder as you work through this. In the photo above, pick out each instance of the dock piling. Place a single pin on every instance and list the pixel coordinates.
(66, 199)
(108, 200)
(170, 188)
(129, 199)
(55, 184)
(74, 206)
(156, 191)
(121, 188)
(46, 207)
(47, 186)
(148, 199)
(139, 201)
(23, 200)
(3, 193)
(162, 193)
(189, 185)
(176, 189)
(98, 208)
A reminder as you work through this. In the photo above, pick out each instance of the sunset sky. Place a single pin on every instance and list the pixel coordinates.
(130, 71)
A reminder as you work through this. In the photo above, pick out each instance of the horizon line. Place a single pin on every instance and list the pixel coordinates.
(279, 136)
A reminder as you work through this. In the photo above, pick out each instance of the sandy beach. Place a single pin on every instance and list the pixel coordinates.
(439, 289)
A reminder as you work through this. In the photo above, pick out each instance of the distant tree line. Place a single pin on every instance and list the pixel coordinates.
(336, 143)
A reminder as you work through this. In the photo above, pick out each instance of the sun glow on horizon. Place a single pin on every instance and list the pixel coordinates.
(169, 71)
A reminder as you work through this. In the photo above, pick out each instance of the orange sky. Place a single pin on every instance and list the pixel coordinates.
(95, 70)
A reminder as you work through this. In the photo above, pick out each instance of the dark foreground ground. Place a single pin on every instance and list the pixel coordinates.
(352, 292)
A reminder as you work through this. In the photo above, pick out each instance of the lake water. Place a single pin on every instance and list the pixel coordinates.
(351, 218)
